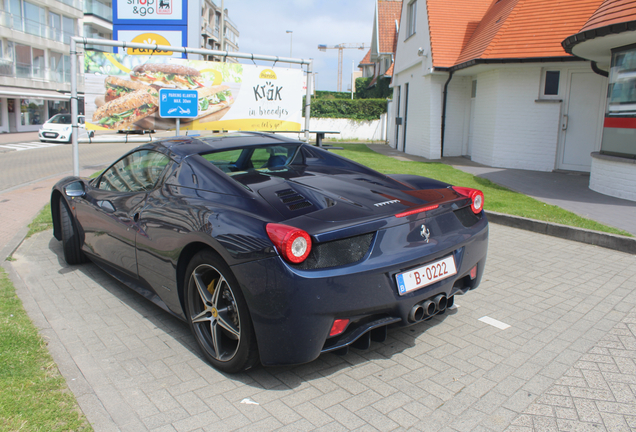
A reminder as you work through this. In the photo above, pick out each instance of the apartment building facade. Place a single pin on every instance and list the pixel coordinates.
(211, 30)
(35, 60)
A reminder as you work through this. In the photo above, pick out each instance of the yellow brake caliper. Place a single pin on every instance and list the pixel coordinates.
(211, 288)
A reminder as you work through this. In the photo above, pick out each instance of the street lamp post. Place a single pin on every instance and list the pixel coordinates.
(291, 39)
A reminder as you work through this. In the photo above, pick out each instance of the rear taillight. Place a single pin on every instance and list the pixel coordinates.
(475, 195)
(292, 243)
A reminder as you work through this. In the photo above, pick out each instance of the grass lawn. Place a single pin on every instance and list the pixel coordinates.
(42, 221)
(497, 198)
(33, 394)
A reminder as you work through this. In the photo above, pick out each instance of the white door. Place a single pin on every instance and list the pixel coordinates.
(581, 119)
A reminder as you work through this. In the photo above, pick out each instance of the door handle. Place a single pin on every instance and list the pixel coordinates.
(564, 124)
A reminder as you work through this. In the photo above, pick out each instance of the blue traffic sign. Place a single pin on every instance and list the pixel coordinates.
(178, 103)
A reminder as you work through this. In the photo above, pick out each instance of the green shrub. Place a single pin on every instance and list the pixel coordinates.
(321, 94)
(357, 109)
(379, 90)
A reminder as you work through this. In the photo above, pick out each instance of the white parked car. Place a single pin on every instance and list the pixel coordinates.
(58, 129)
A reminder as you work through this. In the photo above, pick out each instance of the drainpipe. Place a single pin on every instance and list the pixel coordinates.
(599, 71)
(450, 77)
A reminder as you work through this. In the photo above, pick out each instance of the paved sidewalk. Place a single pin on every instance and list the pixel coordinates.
(567, 361)
(568, 190)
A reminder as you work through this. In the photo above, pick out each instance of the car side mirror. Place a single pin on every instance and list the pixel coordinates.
(75, 189)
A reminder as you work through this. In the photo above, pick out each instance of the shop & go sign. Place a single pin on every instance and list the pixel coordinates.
(152, 10)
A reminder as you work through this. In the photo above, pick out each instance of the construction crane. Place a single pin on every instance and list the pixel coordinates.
(340, 48)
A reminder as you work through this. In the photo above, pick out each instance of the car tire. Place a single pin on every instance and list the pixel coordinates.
(70, 238)
(218, 315)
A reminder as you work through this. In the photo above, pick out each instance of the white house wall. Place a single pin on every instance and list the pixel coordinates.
(512, 129)
(485, 118)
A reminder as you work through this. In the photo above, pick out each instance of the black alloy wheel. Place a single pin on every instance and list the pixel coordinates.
(218, 316)
(70, 238)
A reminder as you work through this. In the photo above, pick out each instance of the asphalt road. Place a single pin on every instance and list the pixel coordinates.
(18, 168)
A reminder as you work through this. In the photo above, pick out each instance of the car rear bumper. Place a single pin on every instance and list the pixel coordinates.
(293, 310)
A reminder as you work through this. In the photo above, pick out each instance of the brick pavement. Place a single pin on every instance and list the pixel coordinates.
(570, 307)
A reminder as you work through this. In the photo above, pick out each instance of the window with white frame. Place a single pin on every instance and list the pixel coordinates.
(550, 84)
(411, 18)
(68, 27)
(29, 62)
(55, 27)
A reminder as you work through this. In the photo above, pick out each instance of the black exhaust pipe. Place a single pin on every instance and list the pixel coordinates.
(440, 302)
(421, 311)
(416, 313)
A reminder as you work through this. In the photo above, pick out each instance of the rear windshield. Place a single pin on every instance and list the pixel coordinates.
(265, 159)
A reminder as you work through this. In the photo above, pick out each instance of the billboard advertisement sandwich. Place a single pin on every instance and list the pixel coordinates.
(122, 93)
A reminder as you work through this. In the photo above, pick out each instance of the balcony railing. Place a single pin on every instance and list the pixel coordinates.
(77, 4)
(34, 28)
(98, 9)
(228, 20)
(30, 71)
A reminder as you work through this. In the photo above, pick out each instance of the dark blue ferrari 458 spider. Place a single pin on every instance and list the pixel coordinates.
(271, 249)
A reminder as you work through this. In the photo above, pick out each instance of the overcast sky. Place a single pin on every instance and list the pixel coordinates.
(262, 26)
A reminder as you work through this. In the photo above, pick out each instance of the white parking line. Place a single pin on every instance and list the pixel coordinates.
(493, 322)
(28, 146)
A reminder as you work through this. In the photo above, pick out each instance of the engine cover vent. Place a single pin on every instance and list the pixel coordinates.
(293, 200)
(300, 205)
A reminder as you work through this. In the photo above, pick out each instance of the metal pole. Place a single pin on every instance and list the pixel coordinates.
(352, 66)
(178, 126)
(308, 99)
(291, 38)
(74, 127)
(248, 56)
(222, 35)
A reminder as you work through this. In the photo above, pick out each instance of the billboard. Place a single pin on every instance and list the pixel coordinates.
(166, 12)
(122, 93)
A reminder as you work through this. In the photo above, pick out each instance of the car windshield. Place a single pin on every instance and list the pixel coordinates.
(265, 159)
(60, 119)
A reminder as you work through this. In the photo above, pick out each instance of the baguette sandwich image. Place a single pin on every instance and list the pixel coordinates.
(167, 75)
(117, 87)
(214, 99)
(122, 112)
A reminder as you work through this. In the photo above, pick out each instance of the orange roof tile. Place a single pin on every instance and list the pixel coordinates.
(451, 24)
(366, 60)
(389, 71)
(492, 22)
(503, 29)
(389, 12)
(611, 12)
(536, 28)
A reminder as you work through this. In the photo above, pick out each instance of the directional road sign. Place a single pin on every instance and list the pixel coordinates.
(178, 103)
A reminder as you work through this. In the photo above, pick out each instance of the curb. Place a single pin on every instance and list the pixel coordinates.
(596, 238)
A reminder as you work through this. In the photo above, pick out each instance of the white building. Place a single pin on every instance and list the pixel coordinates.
(34, 61)
(211, 30)
(490, 80)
